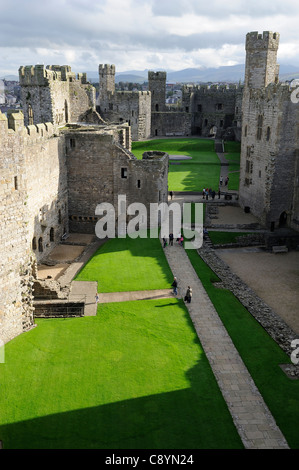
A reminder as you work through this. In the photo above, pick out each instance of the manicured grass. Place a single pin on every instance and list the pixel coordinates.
(259, 352)
(232, 154)
(128, 265)
(133, 377)
(225, 237)
(186, 175)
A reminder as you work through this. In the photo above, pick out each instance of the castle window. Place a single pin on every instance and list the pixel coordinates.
(16, 182)
(66, 112)
(259, 127)
(72, 143)
(221, 123)
(110, 106)
(124, 172)
(157, 107)
(199, 108)
(34, 243)
(59, 216)
(245, 131)
(219, 106)
(268, 133)
(187, 109)
(138, 184)
(52, 234)
(30, 115)
(40, 245)
(132, 113)
(205, 122)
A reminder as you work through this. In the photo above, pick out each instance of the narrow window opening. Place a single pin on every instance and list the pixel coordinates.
(52, 234)
(16, 182)
(124, 172)
(34, 243)
(40, 245)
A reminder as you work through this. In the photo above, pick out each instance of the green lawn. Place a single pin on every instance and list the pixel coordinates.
(232, 153)
(133, 377)
(128, 265)
(259, 352)
(225, 237)
(186, 175)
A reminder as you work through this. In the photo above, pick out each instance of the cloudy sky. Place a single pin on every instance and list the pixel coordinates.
(141, 34)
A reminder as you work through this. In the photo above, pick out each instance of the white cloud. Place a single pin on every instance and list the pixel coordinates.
(139, 34)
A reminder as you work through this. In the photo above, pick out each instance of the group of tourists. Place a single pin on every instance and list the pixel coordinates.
(188, 295)
(179, 239)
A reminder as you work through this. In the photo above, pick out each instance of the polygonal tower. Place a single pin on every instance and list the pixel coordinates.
(261, 55)
(157, 87)
(106, 82)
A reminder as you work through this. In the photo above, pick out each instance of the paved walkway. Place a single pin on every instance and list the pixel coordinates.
(250, 414)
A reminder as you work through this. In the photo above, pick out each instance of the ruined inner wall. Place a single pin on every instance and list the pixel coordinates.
(100, 169)
(211, 106)
(171, 123)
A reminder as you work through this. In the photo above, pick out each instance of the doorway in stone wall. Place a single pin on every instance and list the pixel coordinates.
(283, 219)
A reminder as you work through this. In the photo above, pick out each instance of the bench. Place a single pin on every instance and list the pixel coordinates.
(280, 249)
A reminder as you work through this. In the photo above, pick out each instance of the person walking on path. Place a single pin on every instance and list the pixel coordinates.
(171, 239)
(97, 298)
(188, 295)
(164, 242)
(171, 194)
(175, 286)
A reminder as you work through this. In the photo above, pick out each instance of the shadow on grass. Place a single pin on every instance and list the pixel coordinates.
(181, 419)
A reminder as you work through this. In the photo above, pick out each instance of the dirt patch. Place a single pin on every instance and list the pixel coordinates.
(54, 271)
(274, 278)
(66, 252)
(233, 215)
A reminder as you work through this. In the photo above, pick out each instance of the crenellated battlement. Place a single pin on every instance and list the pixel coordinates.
(40, 75)
(156, 75)
(107, 69)
(14, 125)
(266, 40)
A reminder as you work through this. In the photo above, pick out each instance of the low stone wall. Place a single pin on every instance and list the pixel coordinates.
(58, 309)
(268, 319)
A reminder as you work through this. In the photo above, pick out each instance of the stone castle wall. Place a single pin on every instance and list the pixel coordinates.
(54, 94)
(100, 169)
(269, 145)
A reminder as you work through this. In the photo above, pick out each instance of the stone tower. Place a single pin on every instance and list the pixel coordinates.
(261, 56)
(269, 144)
(54, 94)
(157, 87)
(106, 84)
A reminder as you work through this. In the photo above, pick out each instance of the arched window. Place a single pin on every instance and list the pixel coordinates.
(268, 133)
(34, 243)
(157, 107)
(52, 234)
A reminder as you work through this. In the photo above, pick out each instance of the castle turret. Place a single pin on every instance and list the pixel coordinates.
(261, 55)
(106, 81)
(157, 87)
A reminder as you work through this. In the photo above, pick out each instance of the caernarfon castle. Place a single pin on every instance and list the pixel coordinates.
(65, 153)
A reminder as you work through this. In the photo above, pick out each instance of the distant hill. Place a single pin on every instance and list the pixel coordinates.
(229, 74)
